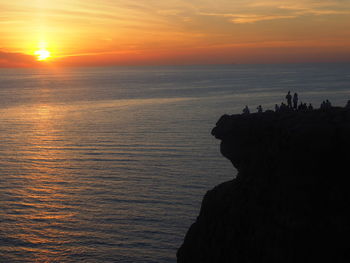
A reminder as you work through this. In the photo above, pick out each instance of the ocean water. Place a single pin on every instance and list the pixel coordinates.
(111, 164)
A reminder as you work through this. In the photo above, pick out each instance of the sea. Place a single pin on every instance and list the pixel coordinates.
(111, 164)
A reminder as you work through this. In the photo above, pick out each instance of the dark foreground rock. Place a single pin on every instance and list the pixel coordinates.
(290, 200)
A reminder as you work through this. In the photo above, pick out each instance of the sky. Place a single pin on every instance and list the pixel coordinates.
(173, 32)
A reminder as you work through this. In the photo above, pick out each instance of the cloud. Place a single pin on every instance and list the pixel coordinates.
(256, 11)
(249, 18)
(12, 59)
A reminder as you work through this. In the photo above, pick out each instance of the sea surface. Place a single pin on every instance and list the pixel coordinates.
(111, 164)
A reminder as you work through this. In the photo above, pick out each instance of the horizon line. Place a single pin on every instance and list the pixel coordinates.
(48, 64)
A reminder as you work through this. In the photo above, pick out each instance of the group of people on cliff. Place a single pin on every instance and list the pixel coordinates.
(326, 105)
(292, 105)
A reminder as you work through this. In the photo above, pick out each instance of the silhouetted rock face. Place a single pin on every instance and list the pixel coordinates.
(290, 201)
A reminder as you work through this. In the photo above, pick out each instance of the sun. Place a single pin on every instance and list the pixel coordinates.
(42, 54)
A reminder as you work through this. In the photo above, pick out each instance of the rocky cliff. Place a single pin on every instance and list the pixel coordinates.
(290, 200)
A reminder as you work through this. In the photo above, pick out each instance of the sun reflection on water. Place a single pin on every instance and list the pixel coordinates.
(44, 201)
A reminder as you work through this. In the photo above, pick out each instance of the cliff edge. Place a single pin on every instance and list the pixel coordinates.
(290, 200)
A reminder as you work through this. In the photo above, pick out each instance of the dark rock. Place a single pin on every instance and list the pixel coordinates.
(290, 200)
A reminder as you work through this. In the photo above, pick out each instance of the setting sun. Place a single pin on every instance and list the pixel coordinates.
(42, 55)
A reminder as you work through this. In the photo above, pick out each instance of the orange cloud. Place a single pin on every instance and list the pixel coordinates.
(11, 59)
(248, 18)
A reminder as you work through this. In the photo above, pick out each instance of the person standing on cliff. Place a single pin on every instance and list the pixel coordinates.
(347, 105)
(246, 110)
(289, 100)
(277, 108)
(260, 109)
(295, 101)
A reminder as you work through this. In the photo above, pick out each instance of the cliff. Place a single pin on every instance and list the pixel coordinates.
(290, 200)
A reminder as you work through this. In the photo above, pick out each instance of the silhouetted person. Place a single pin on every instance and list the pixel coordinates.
(259, 108)
(347, 105)
(283, 107)
(246, 110)
(310, 108)
(277, 108)
(302, 106)
(326, 105)
(295, 101)
(289, 100)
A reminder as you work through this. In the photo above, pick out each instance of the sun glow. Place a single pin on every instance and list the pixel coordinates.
(42, 54)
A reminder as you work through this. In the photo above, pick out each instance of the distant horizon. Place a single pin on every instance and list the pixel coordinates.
(48, 65)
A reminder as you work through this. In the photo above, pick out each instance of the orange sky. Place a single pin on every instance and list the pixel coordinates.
(136, 32)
